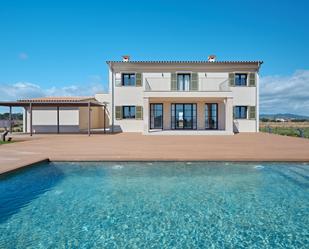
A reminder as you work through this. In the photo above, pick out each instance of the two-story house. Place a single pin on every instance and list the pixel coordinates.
(158, 97)
(183, 97)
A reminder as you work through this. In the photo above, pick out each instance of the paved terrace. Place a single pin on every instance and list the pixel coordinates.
(134, 146)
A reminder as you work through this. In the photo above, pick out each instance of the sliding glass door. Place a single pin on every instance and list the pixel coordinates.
(156, 116)
(183, 116)
(211, 116)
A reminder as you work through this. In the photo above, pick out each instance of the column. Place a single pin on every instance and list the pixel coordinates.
(229, 122)
(146, 115)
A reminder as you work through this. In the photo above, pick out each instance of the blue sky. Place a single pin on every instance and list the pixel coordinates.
(60, 47)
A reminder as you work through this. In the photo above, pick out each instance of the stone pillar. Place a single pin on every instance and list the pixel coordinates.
(146, 115)
(229, 115)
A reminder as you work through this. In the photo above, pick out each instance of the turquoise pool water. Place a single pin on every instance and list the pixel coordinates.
(156, 205)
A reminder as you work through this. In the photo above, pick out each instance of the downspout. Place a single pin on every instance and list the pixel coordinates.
(113, 97)
(257, 100)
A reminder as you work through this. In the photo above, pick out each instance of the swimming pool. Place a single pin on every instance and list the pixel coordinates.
(156, 204)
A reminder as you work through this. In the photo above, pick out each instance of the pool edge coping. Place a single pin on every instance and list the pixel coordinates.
(23, 166)
(48, 160)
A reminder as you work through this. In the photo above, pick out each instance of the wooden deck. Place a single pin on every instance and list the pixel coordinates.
(136, 147)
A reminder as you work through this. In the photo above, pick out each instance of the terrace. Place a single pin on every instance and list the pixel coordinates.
(136, 147)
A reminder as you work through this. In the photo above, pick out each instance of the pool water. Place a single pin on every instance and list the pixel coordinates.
(156, 205)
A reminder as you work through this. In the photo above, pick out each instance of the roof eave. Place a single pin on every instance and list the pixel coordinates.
(185, 62)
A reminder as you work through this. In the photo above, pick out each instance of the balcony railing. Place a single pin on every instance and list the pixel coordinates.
(205, 85)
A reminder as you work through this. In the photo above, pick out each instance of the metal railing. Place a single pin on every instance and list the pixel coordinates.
(203, 86)
(224, 86)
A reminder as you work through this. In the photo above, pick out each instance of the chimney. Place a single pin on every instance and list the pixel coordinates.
(212, 58)
(126, 58)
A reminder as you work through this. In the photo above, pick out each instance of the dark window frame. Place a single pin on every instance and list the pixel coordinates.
(238, 112)
(130, 75)
(211, 115)
(194, 117)
(183, 77)
(130, 107)
(238, 79)
(150, 116)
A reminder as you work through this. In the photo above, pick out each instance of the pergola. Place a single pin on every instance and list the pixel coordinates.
(54, 102)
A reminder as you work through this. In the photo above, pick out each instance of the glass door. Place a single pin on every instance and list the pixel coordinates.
(211, 116)
(156, 116)
(183, 82)
(184, 116)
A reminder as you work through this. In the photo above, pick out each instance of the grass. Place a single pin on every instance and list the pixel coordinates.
(285, 130)
(6, 142)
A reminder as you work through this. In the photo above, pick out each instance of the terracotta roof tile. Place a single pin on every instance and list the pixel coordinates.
(57, 99)
(194, 62)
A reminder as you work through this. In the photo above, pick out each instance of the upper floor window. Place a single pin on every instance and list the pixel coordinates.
(128, 79)
(128, 112)
(183, 82)
(240, 112)
(240, 79)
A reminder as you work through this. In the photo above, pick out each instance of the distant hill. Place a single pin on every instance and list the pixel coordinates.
(284, 116)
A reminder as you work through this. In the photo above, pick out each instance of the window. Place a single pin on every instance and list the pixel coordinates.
(128, 112)
(156, 116)
(240, 112)
(183, 116)
(128, 79)
(240, 79)
(211, 116)
(183, 82)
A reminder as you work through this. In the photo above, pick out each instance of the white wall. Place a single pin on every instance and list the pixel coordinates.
(244, 125)
(106, 98)
(128, 96)
(211, 82)
(257, 102)
(157, 81)
(207, 81)
(246, 96)
(44, 119)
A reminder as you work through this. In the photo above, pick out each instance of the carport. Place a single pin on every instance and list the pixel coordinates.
(56, 103)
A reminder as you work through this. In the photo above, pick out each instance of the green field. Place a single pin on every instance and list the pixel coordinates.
(6, 142)
(287, 131)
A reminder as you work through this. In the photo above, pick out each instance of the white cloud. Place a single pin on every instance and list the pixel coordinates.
(23, 56)
(278, 94)
(285, 94)
(22, 90)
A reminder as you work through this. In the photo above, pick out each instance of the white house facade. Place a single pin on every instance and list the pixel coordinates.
(183, 97)
(157, 98)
